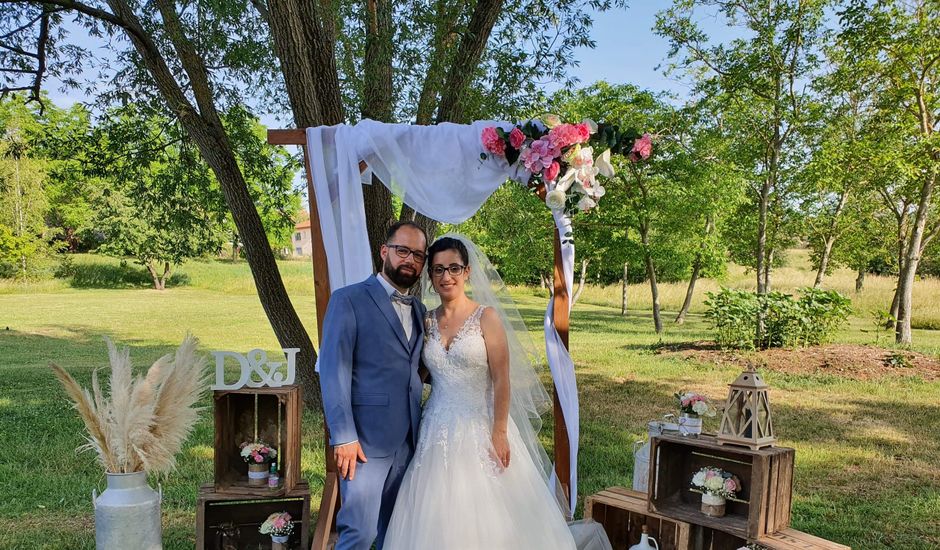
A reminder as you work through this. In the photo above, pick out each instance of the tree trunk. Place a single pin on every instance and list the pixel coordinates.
(914, 251)
(696, 270)
(651, 275)
(762, 233)
(157, 283)
(860, 281)
(205, 128)
(577, 294)
(623, 297)
(466, 59)
(830, 239)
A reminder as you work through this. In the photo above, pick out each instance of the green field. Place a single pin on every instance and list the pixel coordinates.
(868, 452)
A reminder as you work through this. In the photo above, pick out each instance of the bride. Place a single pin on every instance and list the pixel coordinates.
(479, 478)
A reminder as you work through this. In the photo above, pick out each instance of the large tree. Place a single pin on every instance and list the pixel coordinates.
(896, 43)
(196, 59)
(760, 77)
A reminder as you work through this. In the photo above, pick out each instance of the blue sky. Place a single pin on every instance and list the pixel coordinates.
(627, 51)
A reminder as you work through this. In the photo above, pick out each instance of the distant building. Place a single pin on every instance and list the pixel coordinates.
(300, 241)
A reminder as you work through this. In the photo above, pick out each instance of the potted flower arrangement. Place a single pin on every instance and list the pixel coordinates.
(716, 486)
(136, 427)
(257, 455)
(692, 407)
(279, 526)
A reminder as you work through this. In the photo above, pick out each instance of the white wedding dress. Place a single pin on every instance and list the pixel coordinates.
(454, 495)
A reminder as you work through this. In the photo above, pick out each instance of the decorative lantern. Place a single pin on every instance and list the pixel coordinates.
(746, 420)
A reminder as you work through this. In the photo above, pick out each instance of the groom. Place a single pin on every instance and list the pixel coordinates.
(372, 339)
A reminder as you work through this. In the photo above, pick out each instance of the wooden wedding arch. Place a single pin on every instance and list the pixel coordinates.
(329, 503)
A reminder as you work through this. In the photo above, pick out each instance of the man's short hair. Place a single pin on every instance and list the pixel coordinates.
(393, 229)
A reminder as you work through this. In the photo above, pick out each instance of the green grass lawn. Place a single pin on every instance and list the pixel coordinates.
(868, 453)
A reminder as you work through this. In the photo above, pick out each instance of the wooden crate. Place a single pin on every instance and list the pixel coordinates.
(623, 512)
(791, 539)
(220, 515)
(278, 424)
(766, 476)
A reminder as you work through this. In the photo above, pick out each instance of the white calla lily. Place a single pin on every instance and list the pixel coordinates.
(604, 167)
(565, 182)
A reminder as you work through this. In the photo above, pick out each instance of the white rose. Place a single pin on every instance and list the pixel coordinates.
(556, 199)
(700, 407)
(714, 483)
(698, 479)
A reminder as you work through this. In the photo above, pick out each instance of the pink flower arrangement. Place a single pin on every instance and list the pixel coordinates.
(715, 481)
(257, 452)
(278, 524)
(562, 154)
(694, 403)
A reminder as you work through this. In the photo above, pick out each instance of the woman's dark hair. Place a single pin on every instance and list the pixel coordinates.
(447, 243)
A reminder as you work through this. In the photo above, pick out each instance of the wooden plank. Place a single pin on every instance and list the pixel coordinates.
(791, 539)
(328, 508)
(293, 136)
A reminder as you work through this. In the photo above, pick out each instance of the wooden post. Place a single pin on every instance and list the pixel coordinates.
(329, 503)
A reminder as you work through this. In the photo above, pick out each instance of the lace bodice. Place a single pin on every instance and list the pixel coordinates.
(460, 377)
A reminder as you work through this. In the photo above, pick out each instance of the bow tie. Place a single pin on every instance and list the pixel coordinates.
(402, 299)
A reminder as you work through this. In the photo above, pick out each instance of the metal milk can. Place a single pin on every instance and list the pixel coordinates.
(127, 514)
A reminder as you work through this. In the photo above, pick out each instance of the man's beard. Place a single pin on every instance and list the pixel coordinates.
(400, 278)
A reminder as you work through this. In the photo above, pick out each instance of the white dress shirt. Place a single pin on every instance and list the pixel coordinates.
(403, 310)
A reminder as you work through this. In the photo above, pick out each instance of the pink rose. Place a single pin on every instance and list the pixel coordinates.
(516, 138)
(552, 171)
(730, 485)
(642, 148)
(259, 458)
(492, 142)
(279, 523)
(584, 132)
(538, 156)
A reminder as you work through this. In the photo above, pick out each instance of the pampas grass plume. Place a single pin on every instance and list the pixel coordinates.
(143, 421)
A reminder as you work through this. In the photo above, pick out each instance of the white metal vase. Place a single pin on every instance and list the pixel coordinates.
(279, 542)
(128, 511)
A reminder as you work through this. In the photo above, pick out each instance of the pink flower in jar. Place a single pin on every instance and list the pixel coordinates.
(552, 171)
(538, 156)
(492, 142)
(642, 148)
(516, 138)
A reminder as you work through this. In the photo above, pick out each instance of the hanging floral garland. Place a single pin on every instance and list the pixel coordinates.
(561, 156)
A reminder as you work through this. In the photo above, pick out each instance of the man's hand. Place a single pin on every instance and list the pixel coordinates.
(346, 456)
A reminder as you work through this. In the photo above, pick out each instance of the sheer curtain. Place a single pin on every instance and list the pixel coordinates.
(441, 173)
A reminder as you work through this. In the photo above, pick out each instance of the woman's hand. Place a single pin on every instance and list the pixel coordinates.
(501, 448)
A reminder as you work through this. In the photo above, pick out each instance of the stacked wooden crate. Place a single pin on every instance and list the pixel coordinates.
(760, 513)
(229, 510)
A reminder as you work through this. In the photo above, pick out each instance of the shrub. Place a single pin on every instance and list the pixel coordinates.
(812, 319)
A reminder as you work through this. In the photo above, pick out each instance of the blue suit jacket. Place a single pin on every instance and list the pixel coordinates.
(369, 370)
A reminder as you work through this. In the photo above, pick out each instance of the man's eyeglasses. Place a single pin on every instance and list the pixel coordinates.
(403, 252)
(455, 270)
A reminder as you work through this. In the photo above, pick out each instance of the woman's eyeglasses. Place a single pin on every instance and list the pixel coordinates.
(403, 252)
(455, 270)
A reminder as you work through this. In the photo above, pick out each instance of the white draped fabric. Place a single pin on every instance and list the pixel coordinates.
(438, 171)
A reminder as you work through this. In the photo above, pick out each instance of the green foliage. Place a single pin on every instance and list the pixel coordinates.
(747, 320)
